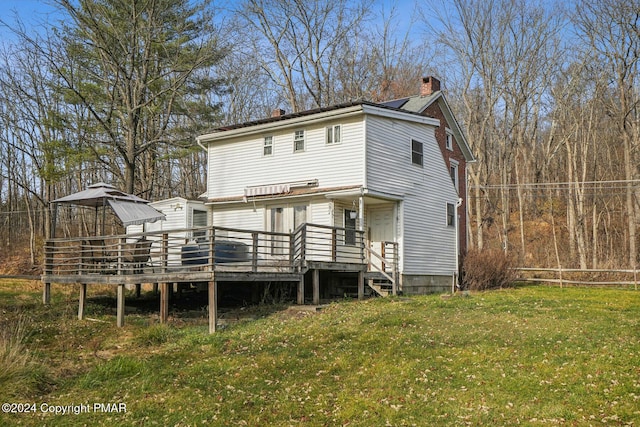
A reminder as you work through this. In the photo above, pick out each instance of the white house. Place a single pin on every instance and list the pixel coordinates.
(361, 165)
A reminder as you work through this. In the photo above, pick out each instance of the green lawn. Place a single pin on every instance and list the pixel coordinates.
(528, 356)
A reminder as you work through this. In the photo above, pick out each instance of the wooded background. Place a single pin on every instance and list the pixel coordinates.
(548, 95)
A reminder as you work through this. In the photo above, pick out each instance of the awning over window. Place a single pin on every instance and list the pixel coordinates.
(265, 190)
(132, 213)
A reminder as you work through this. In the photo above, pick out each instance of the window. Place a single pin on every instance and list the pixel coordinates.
(416, 152)
(449, 142)
(453, 171)
(199, 219)
(350, 227)
(298, 141)
(451, 215)
(267, 149)
(333, 134)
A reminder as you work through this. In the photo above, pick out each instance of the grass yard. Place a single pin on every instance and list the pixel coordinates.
(530, 356)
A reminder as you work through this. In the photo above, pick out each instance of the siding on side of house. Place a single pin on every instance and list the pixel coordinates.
(254, 216)
(239, 161)
(241, 216)
(176, 217)
(427, 243)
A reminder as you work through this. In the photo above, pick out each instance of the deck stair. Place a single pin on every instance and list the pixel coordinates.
(382, 270)
(379, 283)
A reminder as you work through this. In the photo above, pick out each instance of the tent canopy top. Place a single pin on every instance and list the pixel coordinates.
(129, 208)
(97, 195)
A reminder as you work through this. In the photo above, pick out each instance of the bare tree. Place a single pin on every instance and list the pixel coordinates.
(611, 31)
(504, 52)
(301, 44)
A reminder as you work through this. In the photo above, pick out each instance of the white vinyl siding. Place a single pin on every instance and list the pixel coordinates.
(244, 216)
(238, 163)
(427, 243)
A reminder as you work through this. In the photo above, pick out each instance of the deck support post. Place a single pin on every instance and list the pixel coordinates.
(301, 290)
(213, 305)
(120, 306)
(361, 285)
(46, 294)
(164, 302)
(316, 286)
(138, 289)
(82, 301)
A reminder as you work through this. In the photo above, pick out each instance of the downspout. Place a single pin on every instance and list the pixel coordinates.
(456, 273)
(200, 144)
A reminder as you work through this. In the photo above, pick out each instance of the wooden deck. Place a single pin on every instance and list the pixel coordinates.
(211, 255)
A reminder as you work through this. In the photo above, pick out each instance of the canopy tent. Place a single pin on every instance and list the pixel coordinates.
(130, 209)
(133, 213)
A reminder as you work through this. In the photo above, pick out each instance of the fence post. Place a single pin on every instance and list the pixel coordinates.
(560, 273)
(49, 248)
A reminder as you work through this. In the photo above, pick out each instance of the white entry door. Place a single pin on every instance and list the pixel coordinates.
(381, 229)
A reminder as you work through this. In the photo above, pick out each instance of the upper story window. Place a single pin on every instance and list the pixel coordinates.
(267, 148)
(449, 142)
(298, 141)
(417, 152)
(334, 134)
(453, 171)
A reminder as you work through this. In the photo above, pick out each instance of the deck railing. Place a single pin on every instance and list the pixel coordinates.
(203, 249)
(321, 243)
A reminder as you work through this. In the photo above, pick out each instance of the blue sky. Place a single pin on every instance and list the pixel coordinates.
(33, 12)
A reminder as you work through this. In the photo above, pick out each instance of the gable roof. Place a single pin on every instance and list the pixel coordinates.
(294, 119)
(418, 104)
(411, 108)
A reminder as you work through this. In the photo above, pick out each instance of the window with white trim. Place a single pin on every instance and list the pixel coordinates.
(334, 134)
(449, 142)
(298, 141)
(267, 148)
(451, 215)
(417, 156)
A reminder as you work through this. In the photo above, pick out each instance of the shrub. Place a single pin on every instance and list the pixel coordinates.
(487, 269)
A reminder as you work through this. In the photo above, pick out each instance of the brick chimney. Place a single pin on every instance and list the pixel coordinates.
(277, 112)
(429, 85)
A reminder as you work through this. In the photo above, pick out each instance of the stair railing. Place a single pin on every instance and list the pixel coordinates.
(370, 253)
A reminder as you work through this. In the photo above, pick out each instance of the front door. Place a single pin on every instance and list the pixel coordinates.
(381, 229)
